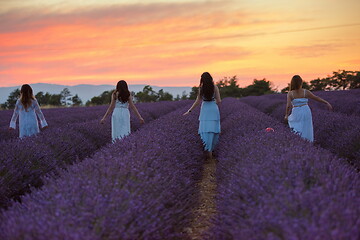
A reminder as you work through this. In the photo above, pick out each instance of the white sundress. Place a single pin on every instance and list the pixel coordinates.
(28, 123)
(300, 119)
(120, 120)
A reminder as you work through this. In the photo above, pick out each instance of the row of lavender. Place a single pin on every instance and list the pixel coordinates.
(59, 117)
(142, 187)
(55, 117)
(274, 185)
(335, 131)
(24, 162)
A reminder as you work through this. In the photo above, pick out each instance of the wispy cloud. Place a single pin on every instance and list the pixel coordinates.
(310, 51)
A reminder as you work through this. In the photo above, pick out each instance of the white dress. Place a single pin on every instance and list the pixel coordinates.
(120, 120)
(300, 119)
(28, 123)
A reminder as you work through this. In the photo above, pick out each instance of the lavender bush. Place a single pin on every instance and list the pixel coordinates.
(335, 131)
(23, 162)
(141, 187)
(274, 185)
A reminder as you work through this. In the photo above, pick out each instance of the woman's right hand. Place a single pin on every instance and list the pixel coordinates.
(186, 113)
(11, 129)
(102, 121)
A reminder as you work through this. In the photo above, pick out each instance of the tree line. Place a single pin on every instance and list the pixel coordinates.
(340, 80)
(228, 86)
(64, 98)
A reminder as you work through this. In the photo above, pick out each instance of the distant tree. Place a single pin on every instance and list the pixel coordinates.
(76, 101)
(11, 101)
(193, 93)
(146, 95)
(104, 98)
(319, 84)
(66, 97)
(355, 81)
(164, 96)
(229, 87)
(259, 87)
(40, 97)
(54, 99)
(184, 96)
(343, 79)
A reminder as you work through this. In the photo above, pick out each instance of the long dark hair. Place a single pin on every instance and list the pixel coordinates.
(206, 86)
(296, 82)
(26, 96)
(123, 91)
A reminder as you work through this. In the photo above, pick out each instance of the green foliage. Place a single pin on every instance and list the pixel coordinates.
(320, 84)
(104, 98)
(259, 87)
(11, 101)
(76, 101)
(183, 96)
(48, 99)
(229, 87)
(164, 96)
(340, 80)
(66, 97)
(149, 95)
(146, 95)
(193, 93)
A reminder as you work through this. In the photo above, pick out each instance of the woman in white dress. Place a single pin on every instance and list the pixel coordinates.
(119, 107)
(27, 108)
(300, 119)
(209, 119)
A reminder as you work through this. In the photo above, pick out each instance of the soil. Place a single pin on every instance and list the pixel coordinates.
(206, 209)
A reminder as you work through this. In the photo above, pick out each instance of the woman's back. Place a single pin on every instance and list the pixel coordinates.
(298, 97)
(120, 104)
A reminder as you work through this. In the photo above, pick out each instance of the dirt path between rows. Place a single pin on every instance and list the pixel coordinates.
(207, 207)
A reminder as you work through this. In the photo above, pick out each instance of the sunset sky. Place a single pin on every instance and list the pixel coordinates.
(171, 42)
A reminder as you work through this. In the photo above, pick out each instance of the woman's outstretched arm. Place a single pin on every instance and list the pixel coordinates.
(195, 104)
(110, 108)
(288, 106)
(319, 99)
(133, 107)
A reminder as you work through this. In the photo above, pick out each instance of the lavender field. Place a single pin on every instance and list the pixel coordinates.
(70, 182)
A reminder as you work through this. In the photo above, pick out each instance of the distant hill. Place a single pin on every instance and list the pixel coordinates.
(86, 92)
